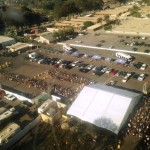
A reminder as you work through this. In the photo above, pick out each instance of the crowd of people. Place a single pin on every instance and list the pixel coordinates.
(43, 85)
(31, 82)
(139, 124)
(63, 91)
(64, 76)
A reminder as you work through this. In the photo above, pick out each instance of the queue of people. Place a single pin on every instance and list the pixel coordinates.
(31, 82)
(62, 91)
(139, 124)
(64, 76)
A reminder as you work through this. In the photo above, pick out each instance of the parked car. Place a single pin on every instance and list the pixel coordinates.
(41, 61)
(134, 49)
(104, 69)
(98, 73)
(114, 72)
(118, 73)
(147, 51)
(78, 41)
(109, 70)
(90, 67)
(98, 45)
(85, 70)
(127, 77)
(135, 76)
(143, 67)
(141, 77)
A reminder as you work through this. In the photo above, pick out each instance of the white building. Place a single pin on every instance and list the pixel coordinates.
(19, 47)
(46, 38)
(9, 131)
(105, 106)
(6, 41)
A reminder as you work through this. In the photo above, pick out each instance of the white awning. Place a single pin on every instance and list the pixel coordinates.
(104, 106)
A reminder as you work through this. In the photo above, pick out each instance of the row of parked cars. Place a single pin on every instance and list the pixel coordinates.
(96, 70)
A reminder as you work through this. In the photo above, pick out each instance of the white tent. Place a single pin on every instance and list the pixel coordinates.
(105, 106)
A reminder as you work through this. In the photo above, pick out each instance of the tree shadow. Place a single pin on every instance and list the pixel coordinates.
(106, 123)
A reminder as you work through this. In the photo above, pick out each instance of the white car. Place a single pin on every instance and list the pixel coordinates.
(90, 67)
(125, 79)
(78, 41)
(10, 97)
(141, 77)
(143, 67)
(40, 61)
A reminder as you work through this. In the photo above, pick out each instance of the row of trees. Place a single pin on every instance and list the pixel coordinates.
(63, 34)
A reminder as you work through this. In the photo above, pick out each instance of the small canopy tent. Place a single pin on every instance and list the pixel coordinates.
(105, 106)
(85, 56)
(108, 59)
(120, 61)
(96, 57)
(75, 54)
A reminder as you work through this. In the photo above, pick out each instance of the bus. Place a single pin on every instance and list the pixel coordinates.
(124, 56)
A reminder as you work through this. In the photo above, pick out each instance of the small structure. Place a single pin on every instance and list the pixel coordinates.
(96, 57)
(9, 131)
(19, 47)
(51, 30)
(105, 106)
(51, 111)
(6, 41)
(46, 38)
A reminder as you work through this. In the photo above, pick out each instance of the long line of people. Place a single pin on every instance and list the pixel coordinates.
(41, 84)
(31, 82)
(64, 76)
(139, 124)
(63, 91)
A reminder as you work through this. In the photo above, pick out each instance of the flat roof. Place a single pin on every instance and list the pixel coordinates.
(105, 106)
(5, 39)
(8, 131)
(18, 46)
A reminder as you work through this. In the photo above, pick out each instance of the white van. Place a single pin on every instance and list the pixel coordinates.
(67, 48)
(124, 56)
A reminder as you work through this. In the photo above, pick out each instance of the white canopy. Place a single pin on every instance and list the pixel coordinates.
(105, 106)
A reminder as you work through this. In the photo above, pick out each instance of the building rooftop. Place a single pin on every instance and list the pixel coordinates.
(7, 114)
(5, 39)
(18, 46)
(8, 131)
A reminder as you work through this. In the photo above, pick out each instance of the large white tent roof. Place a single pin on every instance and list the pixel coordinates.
(105, 106)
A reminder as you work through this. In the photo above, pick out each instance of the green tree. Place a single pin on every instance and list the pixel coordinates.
(99, 20)
(148, 15)
(108, 27)
(87, 24)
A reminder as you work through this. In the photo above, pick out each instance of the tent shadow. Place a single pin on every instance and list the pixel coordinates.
(106, 123)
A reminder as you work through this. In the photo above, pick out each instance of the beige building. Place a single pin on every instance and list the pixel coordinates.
(6, 41)
(18, 47)
(9, 131)
(52, 111)
(46, 38)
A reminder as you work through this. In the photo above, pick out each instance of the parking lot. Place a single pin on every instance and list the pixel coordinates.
(32, 69)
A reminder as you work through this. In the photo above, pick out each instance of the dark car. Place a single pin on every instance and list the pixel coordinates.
(135, 76)
(83, 65)
(147, 51)
(134, 49)
(99, 73)
(98, 45)
(84, 70)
